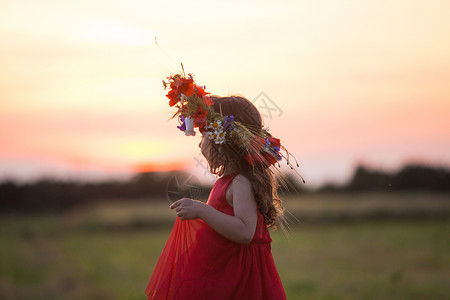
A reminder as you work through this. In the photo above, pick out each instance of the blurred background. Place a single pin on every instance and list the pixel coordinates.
(358, 91)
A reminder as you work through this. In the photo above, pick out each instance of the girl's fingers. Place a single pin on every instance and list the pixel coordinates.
(178, 203)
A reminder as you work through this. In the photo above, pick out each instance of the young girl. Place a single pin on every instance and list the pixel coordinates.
(222, 249)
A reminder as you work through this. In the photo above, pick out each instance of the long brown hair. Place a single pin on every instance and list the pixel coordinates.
(264, 181)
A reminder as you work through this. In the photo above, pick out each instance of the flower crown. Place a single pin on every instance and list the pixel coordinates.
(195, 110)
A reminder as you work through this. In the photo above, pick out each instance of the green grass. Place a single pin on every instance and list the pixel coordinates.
(48, 257)
(378, 260)
(39, 262)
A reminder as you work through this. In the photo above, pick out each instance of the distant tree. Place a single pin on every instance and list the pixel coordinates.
(410, 177)
(364, 179)
(50, 195)
(422, 177)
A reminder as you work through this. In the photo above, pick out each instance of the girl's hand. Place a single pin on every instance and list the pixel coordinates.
(188, 209)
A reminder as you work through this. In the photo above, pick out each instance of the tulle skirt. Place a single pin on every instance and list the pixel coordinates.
(198, 263)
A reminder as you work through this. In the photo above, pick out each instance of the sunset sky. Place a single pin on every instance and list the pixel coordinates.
(355, 82)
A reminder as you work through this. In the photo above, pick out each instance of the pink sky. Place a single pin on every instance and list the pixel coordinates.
(356, 81)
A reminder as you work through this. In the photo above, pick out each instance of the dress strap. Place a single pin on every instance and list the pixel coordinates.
(229, 177)
(217, 197)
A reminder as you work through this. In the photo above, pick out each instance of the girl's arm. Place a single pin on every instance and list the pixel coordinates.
(239, 228)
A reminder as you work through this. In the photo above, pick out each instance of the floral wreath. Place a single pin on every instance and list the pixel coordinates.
(195, 110)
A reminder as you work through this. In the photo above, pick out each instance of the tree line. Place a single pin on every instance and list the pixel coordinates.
(56, 196)
(410, 177)
(47, 195)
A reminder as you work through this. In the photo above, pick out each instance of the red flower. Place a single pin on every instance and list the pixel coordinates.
(258, 142)
(262, 157)
(174, 97)
(270, 159)
(186, 87)
(274, 141)
(207, 100)
(200, 91)
(199, 117)
(182, 85)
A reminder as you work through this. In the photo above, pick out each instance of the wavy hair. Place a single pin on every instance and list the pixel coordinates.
(264, 181)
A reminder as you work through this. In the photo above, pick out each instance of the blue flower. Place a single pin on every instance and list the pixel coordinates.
(275, 150)
(228, 123)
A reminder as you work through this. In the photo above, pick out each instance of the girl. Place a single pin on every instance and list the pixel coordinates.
(222, 249)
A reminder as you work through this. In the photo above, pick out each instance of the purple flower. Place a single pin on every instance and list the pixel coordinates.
(274, 149)
(182, 127)
(228, 123)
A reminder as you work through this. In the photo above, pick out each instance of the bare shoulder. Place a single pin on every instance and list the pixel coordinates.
(240, 179)
(241, 186)
(243, 201)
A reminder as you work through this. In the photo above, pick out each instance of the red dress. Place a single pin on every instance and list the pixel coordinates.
(198, 263)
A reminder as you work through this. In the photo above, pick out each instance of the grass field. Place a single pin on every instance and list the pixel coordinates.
(72, 257)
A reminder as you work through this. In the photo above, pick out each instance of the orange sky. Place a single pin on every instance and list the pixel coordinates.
(356, 81)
